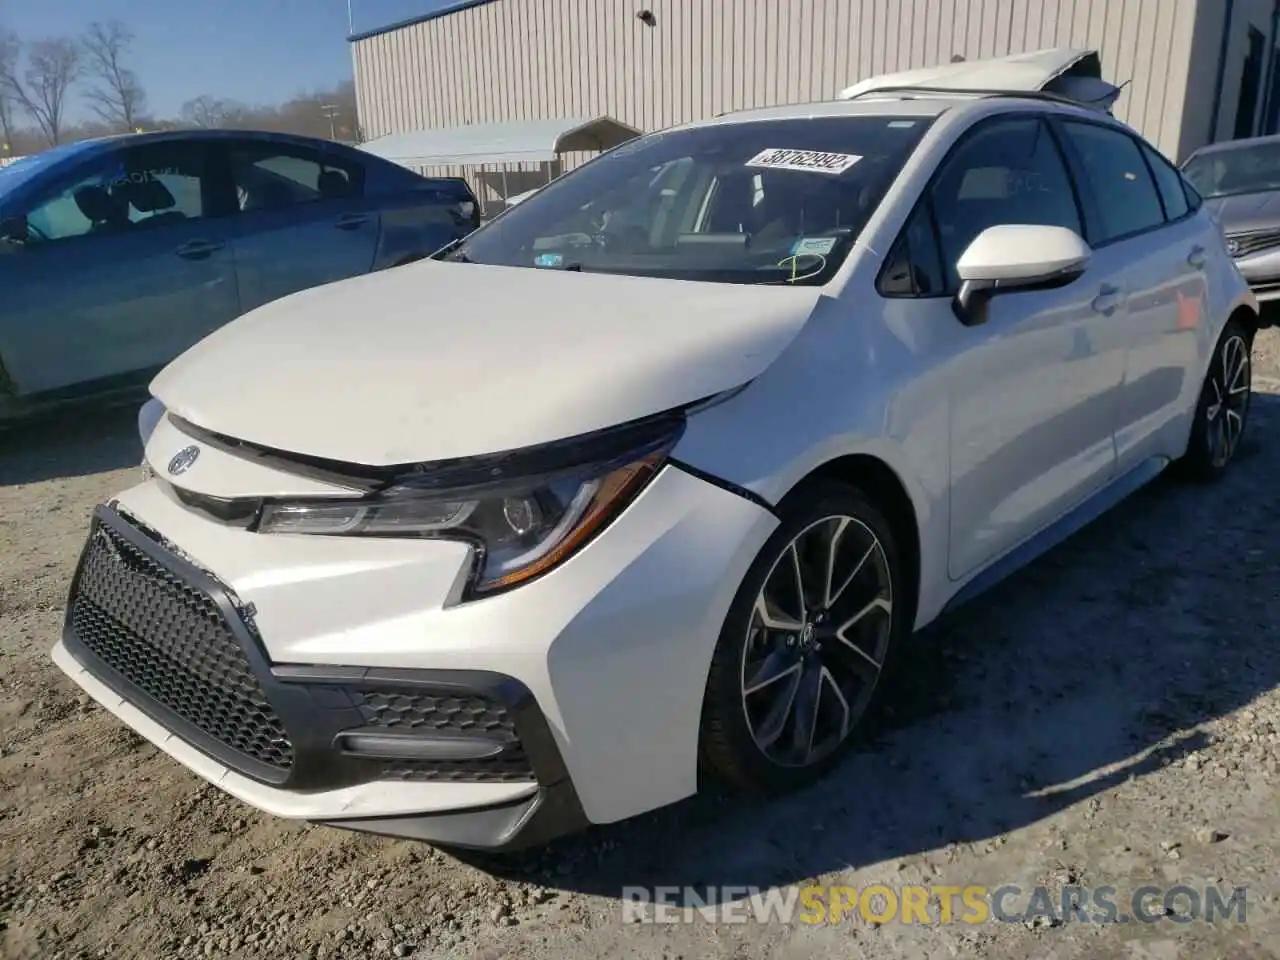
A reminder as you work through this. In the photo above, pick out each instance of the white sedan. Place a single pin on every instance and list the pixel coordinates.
(650, 479)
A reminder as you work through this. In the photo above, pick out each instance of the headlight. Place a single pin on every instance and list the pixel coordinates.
(521, 525)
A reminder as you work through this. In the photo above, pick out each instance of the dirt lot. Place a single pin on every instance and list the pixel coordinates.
(1109, 716)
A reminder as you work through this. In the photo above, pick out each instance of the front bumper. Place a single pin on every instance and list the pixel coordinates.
(172, 652)
(494, 724)
(1262, 272)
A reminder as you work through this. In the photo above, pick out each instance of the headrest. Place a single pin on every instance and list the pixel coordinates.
(333, 184)
(97, 205)
(149, 196)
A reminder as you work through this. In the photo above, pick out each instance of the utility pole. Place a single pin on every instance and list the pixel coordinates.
(330, 110)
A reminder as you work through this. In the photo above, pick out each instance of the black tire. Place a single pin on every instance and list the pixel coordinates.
(738, 715)
(1219, 427)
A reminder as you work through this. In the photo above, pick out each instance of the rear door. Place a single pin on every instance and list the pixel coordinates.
(1140, 219)
(127, 263)
(303, 218)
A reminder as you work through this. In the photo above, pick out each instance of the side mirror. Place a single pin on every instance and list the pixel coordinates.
(1016, 257)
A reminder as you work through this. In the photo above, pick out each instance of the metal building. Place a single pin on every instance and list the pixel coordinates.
(1196, 70)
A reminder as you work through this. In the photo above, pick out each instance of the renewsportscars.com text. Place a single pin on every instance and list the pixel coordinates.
(919, 904)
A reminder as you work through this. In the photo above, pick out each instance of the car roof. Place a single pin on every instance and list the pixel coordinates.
(88, 147)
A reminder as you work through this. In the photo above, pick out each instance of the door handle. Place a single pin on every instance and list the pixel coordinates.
(198, 249)
(1107, 300)
(351, 221)
(1197, 258)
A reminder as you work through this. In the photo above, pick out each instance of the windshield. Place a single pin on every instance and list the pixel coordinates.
(1223, 173)
(771, 201)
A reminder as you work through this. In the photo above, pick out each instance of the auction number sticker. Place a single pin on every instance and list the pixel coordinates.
(812, 161)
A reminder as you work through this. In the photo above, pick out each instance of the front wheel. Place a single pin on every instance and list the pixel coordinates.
(804, 644)
(1223, 408)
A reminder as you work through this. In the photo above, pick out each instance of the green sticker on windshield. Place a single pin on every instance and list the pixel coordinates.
(549, 260)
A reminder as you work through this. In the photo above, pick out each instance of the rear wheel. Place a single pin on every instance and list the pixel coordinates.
(1223, 409)
(805, 642)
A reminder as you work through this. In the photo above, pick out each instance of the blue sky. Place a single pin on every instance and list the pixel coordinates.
(258, 51)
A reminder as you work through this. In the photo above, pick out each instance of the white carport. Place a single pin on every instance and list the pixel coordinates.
(516, 143)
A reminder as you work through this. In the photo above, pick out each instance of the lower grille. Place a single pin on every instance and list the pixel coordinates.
(171, 641)
(418, 712)
(415, 712)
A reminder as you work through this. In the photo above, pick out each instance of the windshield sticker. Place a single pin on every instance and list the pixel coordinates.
(814, 246)
(549, 260)
(901, 124)
(811, 161)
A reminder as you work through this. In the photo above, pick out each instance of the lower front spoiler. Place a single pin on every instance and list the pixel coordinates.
(550, 813)
(493, 817)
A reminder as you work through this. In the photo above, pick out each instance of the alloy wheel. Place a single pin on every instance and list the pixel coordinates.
(817, 640)
(1229, 387)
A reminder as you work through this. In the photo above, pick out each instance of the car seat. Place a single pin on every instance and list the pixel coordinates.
(105, 212)
(153, 198)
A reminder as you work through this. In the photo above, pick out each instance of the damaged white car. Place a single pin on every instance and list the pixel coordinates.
(649, 480)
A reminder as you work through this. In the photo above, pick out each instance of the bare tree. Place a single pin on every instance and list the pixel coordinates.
(117, 95)
(53, 67)
(207, 111)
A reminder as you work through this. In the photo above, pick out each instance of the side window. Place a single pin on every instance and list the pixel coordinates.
(270, 176)
(1173, 192)
(135, 189)
(1009, 171)
(1127, 198)
(914, 266)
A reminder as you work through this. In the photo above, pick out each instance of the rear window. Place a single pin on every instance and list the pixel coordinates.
(769, 201)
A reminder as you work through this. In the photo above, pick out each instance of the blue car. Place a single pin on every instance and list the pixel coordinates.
(118, 254)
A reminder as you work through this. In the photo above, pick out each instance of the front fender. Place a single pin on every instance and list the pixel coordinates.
(841, 388)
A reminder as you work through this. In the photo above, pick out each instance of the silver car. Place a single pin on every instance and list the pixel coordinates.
(1240, 183)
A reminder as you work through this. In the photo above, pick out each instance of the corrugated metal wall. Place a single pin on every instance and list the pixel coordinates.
(520, 59)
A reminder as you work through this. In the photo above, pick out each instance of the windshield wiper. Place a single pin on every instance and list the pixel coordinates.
(451, 253)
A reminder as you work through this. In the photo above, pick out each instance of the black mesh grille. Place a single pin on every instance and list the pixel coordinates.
(170, 641)
(409, 712)
(405, 712)
(1243, 244)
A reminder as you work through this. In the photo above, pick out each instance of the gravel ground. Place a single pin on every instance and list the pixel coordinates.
(1109, 716)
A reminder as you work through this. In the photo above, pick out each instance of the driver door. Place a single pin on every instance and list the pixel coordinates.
(125, 266)
(1033, 391)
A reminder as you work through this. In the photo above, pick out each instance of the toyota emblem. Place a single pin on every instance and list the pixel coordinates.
(1233, 247)
(183, 459)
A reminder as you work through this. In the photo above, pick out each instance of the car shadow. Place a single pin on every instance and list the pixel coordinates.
(1096, 664)
(70, 445)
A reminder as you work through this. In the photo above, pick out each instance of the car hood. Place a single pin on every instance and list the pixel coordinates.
(434, 360)
(1247, 211)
